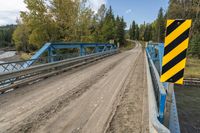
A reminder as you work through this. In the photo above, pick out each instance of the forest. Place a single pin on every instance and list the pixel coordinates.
(66, 20)
(50, 21)
(6, 35)
(178, 9)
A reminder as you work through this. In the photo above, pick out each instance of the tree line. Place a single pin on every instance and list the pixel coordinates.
(66, 20)
(6, 35)
(178, 9)
(74, 21)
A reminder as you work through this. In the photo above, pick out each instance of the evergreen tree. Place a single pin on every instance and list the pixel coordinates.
(148, 33)
(108, 29)
(120, 30)
(6, 35)
(137, 32)
(100, 20)
(175, 10)
(101, 13)
(142, 31)
(132, 31)
(195, 46)
(154, 31)
(160, 26)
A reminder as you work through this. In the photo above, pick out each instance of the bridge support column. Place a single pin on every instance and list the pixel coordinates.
(50, 54)
(96, 49)
(82, 50)
(104, 48)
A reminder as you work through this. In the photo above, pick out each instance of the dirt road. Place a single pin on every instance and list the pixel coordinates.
(86, 99)
(131, 115)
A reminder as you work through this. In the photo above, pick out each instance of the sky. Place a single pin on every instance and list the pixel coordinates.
(138, 10)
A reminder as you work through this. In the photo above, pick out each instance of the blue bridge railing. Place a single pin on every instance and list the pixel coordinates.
(155, 53)
(50, 49)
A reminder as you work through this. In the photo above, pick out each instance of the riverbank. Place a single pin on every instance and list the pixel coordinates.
(192, 69)
(9, 56)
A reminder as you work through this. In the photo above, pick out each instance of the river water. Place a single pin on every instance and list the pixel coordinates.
(188, 105)
(4, 55)
(7, 54)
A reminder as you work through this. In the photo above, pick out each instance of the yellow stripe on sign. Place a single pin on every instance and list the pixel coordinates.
(177, 32)
(165, 76)
(176, 51)
(180, 81)
(170, 21)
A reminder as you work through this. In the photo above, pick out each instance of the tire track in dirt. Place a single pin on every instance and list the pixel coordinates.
(38, 118)
(131, 115)
(90, 112)
(120, 97)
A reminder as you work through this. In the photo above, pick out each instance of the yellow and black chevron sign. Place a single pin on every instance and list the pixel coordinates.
(175, 47)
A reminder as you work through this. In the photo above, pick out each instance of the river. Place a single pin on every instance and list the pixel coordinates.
(4, 55)
(188, 104)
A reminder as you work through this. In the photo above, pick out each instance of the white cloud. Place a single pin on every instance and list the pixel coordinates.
(12, 5)
(128, 11)
(8, 17)
(9, 11)
(95, 4)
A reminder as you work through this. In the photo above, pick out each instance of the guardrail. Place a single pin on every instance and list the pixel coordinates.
(160, 92)
(154, 124)
(17, 65)
(173, 120)
(10, 80)
(192, 81)
(154, 55)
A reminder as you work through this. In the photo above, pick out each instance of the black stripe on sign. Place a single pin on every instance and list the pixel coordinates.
(176, 77)
(174, 61)
(173, 26)
(177, 41)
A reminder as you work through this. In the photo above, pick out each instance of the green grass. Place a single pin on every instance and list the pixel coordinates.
(192, 69)
(128, 46)
(25, 56)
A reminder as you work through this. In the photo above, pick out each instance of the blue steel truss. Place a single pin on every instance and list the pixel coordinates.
(49, 48)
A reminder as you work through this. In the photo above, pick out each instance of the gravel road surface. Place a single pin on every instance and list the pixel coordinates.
(89, 99)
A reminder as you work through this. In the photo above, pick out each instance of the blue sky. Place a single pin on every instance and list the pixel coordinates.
(138, 10)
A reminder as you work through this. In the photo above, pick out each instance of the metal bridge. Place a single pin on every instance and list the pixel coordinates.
(159, 93)
(50, 49)
(163, 116)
